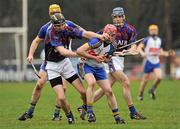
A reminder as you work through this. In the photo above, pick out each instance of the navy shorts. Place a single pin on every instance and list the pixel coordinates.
(149, 67)
(99, 73)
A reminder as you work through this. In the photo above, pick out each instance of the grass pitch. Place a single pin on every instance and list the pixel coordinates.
(163, 113)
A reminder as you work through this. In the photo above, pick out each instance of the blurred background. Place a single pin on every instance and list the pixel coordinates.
(22, 19)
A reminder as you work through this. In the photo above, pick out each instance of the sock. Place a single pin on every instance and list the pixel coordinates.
(70, 115)
(116, 114)
(141, 94)
(89, 109)
(153, 87)
(57, 110)
(31, 108)
(84, 106)
(132, 109)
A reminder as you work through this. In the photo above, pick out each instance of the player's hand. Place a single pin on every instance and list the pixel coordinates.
(143, 55)
(130, 52)
(30, 58)
(83, 59)
(118, 53)
(107, 59)
(100, 59)
(104, 36)
(171, 52)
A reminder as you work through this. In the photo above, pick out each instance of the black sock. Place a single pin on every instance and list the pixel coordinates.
(70, 115)
(84, 106)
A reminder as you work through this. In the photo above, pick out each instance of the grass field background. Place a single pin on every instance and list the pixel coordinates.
(163, 113)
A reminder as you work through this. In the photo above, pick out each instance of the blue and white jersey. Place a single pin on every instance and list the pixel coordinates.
(98, 47)
(152, 49)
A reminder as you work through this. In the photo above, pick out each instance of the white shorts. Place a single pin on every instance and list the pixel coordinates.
(116, 64)
(63, 68)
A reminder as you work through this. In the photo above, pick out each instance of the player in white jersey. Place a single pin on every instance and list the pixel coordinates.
(94, 72)
(150, 49)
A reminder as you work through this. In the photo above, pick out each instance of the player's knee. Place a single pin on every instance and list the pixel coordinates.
(126, 83)
(62, 99)
(41, 82)
(146, 78)
(38, 87)
(108, 92)
(92, 83)
(83, 92)
(159, 78)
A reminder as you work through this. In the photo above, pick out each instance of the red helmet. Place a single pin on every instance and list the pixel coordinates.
(110, 29)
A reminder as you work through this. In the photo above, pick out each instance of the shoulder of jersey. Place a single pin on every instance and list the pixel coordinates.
(95, 43)
(159, 38)
(130, 27)
(46, 25)
(70, 24)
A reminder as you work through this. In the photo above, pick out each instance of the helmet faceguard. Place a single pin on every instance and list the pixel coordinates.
(57, 19)
(111, 30)
(118, 12)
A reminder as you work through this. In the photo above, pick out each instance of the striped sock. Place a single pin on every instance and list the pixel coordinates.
(116, 113)
(84, 106)
(57, 110)
(31, 108)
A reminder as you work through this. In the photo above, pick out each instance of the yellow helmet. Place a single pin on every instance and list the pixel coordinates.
(54, 8)
(153, 27)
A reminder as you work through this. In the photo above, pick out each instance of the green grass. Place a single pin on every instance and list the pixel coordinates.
(163, 113)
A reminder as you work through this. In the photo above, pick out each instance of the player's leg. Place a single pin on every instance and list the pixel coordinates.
(56, 84)
(71, 76)
(99, 93)
(106, 87)
(53, 70)
(35, 96)
(143, 83)
(158, 74)
(123, 79)
(91, 81)
(148, 68)
(77, 84)
(56, 114)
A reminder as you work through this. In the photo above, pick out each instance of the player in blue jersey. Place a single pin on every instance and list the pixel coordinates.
(126, 34)
(94, 72)
(54, 8)
(43, 73)
(150, 49)
(57, 36)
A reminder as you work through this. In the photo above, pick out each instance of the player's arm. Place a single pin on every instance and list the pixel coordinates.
(90, 34)
(140, 49)
(65, 52)
(39, 38)
(33, 48)
(166, 53)
(82, 51)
